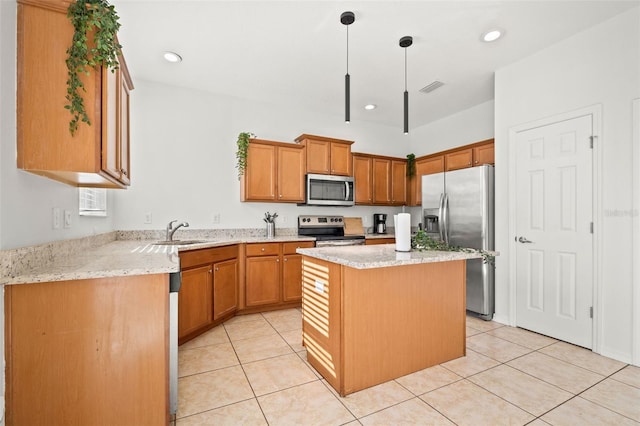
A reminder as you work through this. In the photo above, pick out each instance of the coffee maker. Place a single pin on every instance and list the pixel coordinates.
(379, 223)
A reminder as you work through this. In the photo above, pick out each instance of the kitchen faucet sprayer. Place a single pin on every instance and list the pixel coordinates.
(171, 230)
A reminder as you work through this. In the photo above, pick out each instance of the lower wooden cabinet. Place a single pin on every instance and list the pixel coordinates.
(88, 352)
(373, 241)
(273, 274)
(209, 291)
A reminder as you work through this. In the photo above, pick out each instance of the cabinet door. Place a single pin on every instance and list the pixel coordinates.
(426, 166)
(110, 137)
(124, 162)
(398, 182)
(381, 184)
(375, 241)
(225, 288)
(363, 179)
(292, 277)
(318, 156)
(341, 163)
(483, 154)
(262, 276)
(260, 173)
(458, 159)
(194, 300)
(291, 171)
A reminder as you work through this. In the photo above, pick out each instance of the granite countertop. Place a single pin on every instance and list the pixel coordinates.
(124, 257)
(380, 256)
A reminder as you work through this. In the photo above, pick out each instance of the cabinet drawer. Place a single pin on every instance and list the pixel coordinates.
(290, 248)
(263, 249)
(208, 255)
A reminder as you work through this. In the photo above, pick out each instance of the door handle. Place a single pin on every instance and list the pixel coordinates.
(524, 240)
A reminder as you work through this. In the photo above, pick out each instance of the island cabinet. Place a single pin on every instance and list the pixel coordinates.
(209, 291)
(363, 327)
(327, 155)
(88, 352)
(273, 275)
(274, 172)
(97, 155)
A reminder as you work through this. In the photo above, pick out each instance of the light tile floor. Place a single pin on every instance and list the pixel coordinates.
(252, 370)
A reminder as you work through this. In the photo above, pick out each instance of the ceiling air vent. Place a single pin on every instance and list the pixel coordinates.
(431, 87)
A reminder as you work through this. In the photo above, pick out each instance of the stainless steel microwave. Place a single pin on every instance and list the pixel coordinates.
(329, 190)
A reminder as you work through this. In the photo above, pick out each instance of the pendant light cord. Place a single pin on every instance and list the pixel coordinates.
(347, 49)
(405, 69)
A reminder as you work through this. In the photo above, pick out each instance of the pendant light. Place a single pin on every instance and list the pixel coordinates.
(405, 42)
(347, 18)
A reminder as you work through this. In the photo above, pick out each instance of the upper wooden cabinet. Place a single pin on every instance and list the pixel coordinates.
(484, 154)
(327, 155)
(462, 157)
(389, 181)
(98, 154)
(398, 182)
(458, 159)
(275, 172)
(363, 176)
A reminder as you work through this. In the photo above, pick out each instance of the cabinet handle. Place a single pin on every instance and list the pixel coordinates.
(280, 195)
(217, 268)
(285, 259)
(277, 260)
(262, 249)
(210, 271)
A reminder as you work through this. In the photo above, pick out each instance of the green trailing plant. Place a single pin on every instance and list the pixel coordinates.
(422, 241)
(241, 152)
(94, 44)
(411, 165)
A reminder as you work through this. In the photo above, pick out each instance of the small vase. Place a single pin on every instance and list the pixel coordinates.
(271, 229)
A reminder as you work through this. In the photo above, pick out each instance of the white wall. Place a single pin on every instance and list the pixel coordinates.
(471, 125)
(183, 157)
(27, 200)
(600, 66)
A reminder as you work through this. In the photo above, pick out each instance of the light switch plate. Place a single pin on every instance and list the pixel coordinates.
(67, 219)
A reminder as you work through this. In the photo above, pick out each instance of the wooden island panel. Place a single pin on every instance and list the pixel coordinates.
(381, 323)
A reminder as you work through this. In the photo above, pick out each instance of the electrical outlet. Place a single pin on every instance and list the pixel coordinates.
(215, 218)
(283, 219)
(56, 218)
(148, 217)
(365, 220)
(67, 219)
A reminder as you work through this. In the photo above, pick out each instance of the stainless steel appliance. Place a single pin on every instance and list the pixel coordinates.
(329, 190)
(458, 209)
(379, 223)
(175, 280)
(327, 230)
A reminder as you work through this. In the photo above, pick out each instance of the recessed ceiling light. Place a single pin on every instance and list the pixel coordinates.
(172, 57)
(370, 106)
(491, 35)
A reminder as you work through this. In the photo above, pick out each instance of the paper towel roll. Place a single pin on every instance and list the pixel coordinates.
(402, 223)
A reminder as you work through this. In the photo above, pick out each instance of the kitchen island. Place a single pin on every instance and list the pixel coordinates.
(371, 314)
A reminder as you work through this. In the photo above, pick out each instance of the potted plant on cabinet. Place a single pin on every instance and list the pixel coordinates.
(94, 44)
(241, 152)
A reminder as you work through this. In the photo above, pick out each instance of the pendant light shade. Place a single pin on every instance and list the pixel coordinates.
(347, 18)
(405, 42)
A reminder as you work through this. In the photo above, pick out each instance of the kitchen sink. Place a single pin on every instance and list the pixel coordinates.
(178, 242)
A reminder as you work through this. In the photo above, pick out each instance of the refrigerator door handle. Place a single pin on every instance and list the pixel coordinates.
(441, 217)
(445, 216)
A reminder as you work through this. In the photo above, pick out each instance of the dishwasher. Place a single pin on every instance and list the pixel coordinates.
(175, 280)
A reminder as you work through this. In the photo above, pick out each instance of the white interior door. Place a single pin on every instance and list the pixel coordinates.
(554, 214)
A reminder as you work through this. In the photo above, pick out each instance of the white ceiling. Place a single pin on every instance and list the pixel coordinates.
(294, 52)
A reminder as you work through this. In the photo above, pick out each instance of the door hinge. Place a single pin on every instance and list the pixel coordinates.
(591, 139)
(591, 227)
(590, 311)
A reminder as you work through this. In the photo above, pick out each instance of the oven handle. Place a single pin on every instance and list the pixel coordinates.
(339, 243)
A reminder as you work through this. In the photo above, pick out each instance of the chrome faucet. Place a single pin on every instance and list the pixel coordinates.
(171, 230)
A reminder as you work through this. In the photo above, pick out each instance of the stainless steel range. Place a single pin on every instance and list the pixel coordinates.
(327, 230)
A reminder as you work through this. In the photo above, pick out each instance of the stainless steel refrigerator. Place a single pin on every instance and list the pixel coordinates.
(457, 207)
